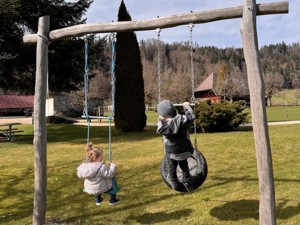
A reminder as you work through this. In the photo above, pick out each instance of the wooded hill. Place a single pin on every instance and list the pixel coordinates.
(280, 63)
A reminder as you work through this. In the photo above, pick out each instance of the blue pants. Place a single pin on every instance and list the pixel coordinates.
(114, 188)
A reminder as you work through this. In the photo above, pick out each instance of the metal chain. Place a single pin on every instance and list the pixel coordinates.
(192, 62)
(193, 81)
(86, 87)
(113, 82)
(158, 64)
(113, 79)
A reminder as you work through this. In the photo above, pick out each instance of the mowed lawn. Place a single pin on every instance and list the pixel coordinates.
(229, 196)
(274, 114)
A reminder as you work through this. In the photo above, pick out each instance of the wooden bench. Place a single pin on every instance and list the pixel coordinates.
(2, 138)
(13, 134)
(9, 131)
(5, 134)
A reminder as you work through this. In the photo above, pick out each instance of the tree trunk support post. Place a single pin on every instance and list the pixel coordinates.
(259, 116)
(40, 130)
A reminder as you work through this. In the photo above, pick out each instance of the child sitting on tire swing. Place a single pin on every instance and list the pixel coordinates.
(177, 145)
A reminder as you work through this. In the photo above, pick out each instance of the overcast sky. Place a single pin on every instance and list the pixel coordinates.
(271, 29)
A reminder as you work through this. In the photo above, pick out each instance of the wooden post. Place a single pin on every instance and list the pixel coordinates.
(40, 130)
(259, 117)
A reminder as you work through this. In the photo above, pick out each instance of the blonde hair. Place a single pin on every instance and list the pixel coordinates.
(93, 153)
(88, 147)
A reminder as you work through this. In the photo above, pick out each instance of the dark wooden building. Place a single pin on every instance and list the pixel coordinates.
(207, 89)
(16, 105)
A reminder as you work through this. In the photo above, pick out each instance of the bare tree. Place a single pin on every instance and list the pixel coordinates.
(225, 85)
(273, 83)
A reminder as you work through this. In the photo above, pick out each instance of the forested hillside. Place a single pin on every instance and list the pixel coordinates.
(280, 63)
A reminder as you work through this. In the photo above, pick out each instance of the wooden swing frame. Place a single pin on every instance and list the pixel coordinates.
(248, 12)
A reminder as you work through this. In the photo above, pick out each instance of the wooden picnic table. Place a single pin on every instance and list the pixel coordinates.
(10, 131)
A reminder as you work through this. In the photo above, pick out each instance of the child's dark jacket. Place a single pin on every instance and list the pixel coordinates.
(175, 132)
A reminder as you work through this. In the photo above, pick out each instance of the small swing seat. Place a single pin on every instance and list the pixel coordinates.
(198, 170)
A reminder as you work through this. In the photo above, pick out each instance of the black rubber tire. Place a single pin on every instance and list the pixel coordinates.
(198, 170)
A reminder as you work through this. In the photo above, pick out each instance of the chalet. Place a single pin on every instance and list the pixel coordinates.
(207, 89)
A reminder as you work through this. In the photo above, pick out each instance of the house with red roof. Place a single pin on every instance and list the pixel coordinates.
(15, 105)
(207, 89)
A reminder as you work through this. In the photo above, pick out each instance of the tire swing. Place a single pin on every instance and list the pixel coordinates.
(198, 170)
(196, 162)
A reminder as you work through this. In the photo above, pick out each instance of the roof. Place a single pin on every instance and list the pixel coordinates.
(16, 101)
(209, 83)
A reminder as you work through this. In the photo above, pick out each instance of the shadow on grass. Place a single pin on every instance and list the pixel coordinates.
(109, 213)
(226, 180)
(244, 209)
(236, 210)
(159, 217)
(78, 134)
(244, 128)
(12, 189)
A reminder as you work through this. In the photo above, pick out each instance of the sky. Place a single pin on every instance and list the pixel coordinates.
(272, 29)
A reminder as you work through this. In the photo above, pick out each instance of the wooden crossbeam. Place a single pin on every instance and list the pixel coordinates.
(162, 22)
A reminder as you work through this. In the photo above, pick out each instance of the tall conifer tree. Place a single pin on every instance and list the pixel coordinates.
(129, 96)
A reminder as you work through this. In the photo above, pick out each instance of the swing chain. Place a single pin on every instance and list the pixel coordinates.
(113, 79)
(158, 64)
(192, 61)
(86, 70)
(193, 81)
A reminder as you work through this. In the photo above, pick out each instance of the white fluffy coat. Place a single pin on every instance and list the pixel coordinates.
(97, 177)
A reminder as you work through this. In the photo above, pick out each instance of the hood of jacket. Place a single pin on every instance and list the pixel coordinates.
(88, 170)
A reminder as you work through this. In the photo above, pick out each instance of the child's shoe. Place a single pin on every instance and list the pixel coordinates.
(113, 200)
(174, 185)
(188, 184)
(99, 199)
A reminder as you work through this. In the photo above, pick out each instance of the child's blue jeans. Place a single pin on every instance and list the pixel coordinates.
(114, 188)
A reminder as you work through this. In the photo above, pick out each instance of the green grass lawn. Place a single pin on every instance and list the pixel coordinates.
(287, 97)
(229, 196)
(274, 114)
(281, 113)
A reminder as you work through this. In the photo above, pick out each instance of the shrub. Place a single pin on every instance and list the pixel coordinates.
(220, 117)
(60, 120)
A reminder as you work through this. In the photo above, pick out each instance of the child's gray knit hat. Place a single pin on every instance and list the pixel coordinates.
(166, 109)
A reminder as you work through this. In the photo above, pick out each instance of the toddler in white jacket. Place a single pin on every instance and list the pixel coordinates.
(98, 177)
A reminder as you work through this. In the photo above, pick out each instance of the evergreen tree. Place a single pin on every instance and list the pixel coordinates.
(129, 96)
(17, 60)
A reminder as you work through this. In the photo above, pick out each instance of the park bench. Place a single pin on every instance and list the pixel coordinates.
(9, 133)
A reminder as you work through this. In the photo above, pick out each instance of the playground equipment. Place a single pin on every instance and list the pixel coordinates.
(248, 12)
(196, 162)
